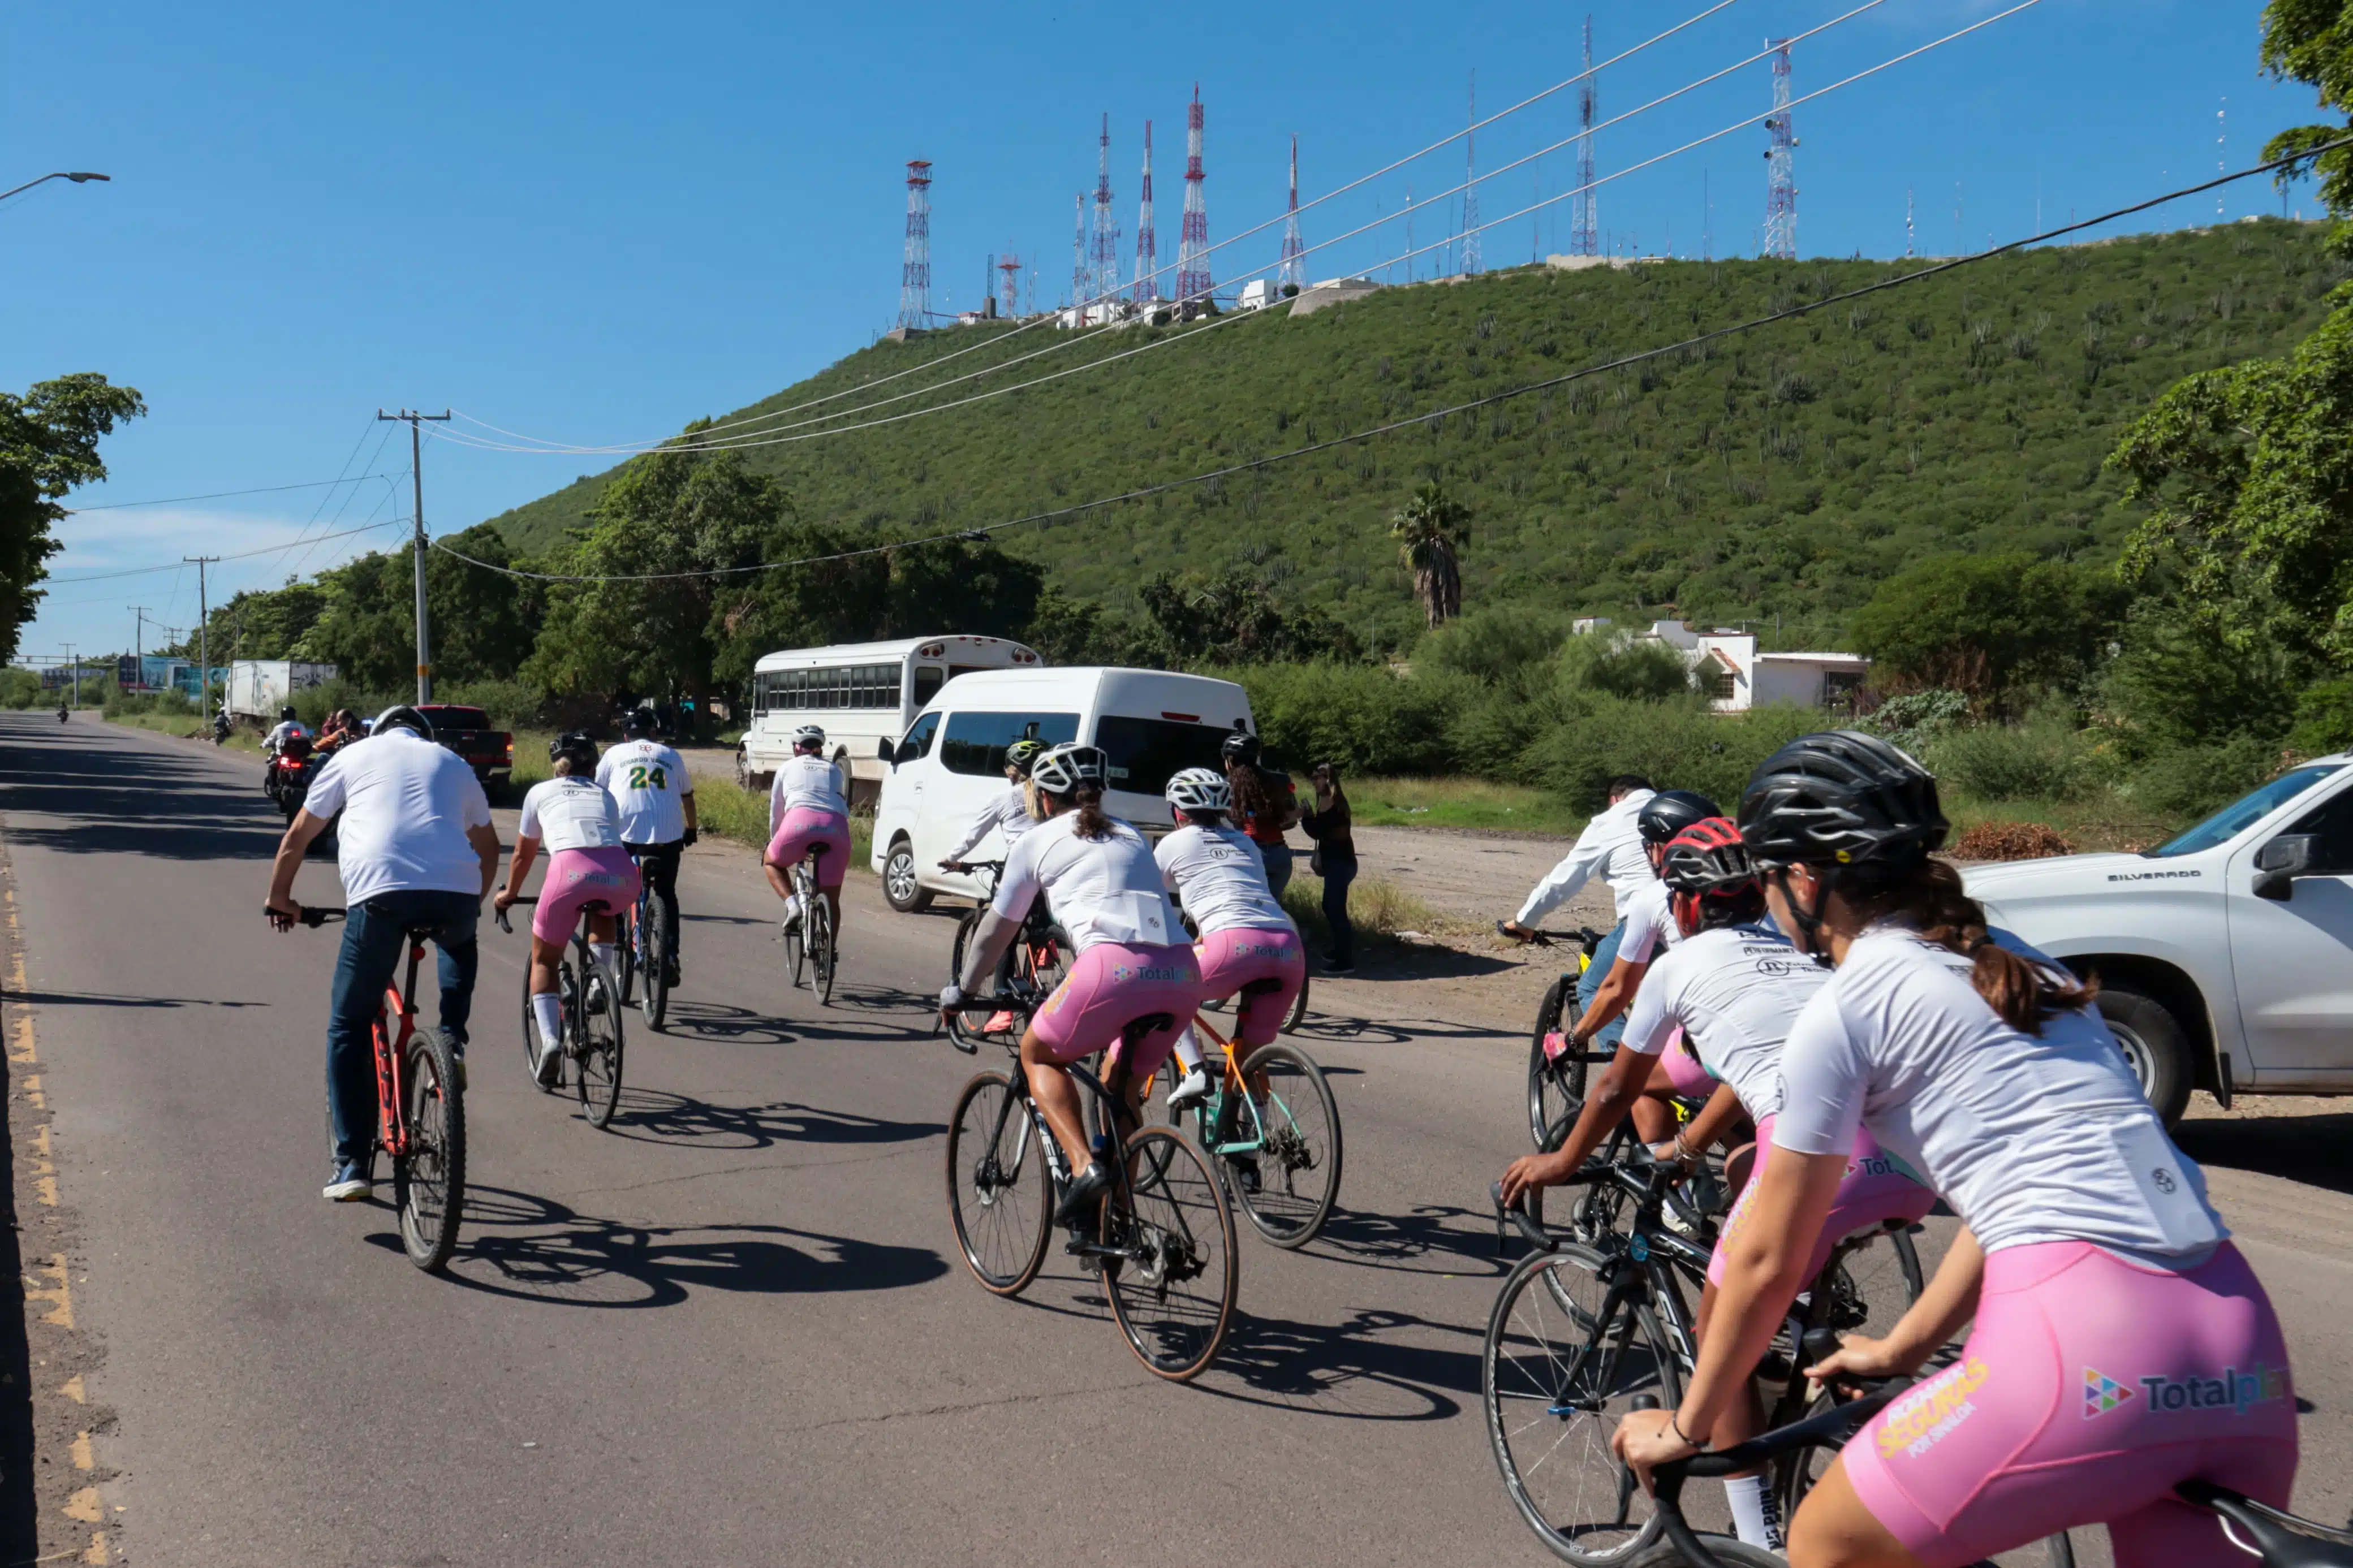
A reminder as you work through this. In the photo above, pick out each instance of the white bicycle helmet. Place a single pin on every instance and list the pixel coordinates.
(809, 737)
(1194, 790)
(1066, 767)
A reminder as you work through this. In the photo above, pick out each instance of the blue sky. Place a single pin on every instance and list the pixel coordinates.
(595, 222)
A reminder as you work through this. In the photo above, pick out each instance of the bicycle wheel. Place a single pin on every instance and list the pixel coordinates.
(625, 954)
(965, 928)
(1555, 1089)
(1565, 1358)
(429, 1182)
(1172, 1284)
(796, 948)
(823, 951)
(1286, 1190)
(653, 950)
(1000, 1195)
(597, 1042)
(1865, 1289)
(1298, 1009)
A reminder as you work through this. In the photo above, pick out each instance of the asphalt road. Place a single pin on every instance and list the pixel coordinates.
(734, 1328)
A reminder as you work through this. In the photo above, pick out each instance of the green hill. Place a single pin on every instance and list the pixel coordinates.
(1778, 474)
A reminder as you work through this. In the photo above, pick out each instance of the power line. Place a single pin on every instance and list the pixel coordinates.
(242, 555)
(218, 495)
(1622, 363)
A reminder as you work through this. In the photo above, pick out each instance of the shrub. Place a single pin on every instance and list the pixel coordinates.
(1918, 718)
(1363, 717)
(1616, 668)
(1498, 645)
(2189, 782)
(1677, 746)
(2044, 758)
(2324, 718)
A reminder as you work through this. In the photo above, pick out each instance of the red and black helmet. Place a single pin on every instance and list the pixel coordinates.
(1705, 860)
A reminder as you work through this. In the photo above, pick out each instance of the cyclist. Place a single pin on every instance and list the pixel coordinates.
(1611, 847)
(581, 827)
(1266, 814)
(1010, 814)
(1099, 875)
(655, 793)
(2100, 1280)
(417, 850)
(287, 729)
(808, 804)
(1244, 934)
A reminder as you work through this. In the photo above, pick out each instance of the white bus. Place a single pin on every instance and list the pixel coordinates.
(860, 693)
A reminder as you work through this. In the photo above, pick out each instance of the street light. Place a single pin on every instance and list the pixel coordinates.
(79, 179)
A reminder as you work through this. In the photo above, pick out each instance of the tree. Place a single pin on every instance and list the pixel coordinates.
(48, 444)
(1434, 526)
(1231, 618)
(1991, 625)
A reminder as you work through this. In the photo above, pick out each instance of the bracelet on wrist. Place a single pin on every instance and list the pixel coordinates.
(1675, 1425)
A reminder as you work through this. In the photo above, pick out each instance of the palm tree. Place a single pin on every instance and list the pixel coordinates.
(1433, 524)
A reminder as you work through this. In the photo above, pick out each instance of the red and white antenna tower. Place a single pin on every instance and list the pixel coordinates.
(1193, 284)
(1584, 207)
(915, 272)
(1104, 249)
(1780, 167)
(1080, 281)
(1471, 186)
(1147, 242)
(1008, 292)
(1294, 249)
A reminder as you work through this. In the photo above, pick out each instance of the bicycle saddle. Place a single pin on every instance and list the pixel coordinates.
(1150, 1023)
(1262, 987)
(818, 848)
(2282, 1540)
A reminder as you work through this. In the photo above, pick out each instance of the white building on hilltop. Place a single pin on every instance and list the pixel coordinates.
(1738, 678)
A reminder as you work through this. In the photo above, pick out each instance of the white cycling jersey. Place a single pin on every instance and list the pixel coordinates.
(2029, 1138)
(1650, 924)
(1008, 813)
(650, 783)
(1100, 890)
(1220, 876)
(570, 814)
(805, 783)
(1735, 991)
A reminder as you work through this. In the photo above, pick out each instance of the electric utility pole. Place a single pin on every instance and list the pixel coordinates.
(204, 637)
(139, 646)
(75, 666)
(416, 474)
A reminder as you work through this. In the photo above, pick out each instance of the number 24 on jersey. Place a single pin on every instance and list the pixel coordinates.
(641, 776)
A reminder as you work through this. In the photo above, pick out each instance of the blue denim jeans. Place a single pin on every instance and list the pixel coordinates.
(1606, 1038)
(1278, 866)
(374, 946)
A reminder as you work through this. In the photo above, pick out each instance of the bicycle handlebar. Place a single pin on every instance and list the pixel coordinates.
(315, 916)
(500, 915)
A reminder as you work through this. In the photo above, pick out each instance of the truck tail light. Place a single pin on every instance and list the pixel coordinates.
(510, 749)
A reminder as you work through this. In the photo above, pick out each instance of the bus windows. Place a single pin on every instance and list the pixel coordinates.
(929, 679)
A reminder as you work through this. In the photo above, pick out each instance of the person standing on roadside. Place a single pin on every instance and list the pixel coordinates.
(1611, 848)
(418, 850)
(1262, 813)
(1335, 860)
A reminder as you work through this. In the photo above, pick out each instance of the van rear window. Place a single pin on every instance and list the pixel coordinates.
(1145, 752)
(975, 743)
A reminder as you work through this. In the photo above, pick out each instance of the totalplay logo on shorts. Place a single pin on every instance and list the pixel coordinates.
(2235, 1391)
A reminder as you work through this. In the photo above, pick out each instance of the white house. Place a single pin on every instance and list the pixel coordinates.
(1737, 677)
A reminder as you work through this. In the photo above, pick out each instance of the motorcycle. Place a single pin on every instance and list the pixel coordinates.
(220, 728)
(61, 713)
(287, 779)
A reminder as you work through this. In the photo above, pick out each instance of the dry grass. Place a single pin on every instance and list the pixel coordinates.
(1378, 909)
(2010, 841)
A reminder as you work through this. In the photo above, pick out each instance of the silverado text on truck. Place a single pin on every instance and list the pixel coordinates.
(2224, 957)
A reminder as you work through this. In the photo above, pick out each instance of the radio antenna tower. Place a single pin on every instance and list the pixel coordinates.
(1471, 186)
(1193, 284)
(1294, 249)
(1147, 241)
(1080, 280)
(1008, 297)
(1584, 213)
(1105, 248)
(915, 272)
(1781, 173)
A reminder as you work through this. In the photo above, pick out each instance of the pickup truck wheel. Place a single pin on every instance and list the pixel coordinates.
(2155, 1044)
(900, 890)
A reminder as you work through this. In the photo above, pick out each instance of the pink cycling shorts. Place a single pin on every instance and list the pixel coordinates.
(803, 826)
(577, 876)
(1877, 1188)
(1683, 1070)
(2089, 1386)
(1110, 986)
(1233, 958)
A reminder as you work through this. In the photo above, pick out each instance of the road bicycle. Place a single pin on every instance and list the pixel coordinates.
(1272, 1128)
(1041, 956)
(1163, 1239)
(590, 994)
(810, 944)
(1557, 1074)
(2277, 1538)
(646, 953)
(1582, 1331)
(420, 1111)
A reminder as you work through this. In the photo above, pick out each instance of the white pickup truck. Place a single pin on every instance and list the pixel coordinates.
(2224, 957)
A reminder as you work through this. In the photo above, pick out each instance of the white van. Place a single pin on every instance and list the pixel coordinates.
(951, 761)
(860, 693)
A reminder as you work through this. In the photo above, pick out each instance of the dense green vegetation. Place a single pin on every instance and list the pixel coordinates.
(48, 444)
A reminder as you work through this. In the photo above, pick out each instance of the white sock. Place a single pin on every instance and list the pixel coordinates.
(792, 908)
(548, 1008)
(606, 953)
(1188, 1050)
(1754, 1515)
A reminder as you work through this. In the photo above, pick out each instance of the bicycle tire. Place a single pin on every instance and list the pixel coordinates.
(1175, 1227)
(825, 952)
(1297, 1089)
(794, 952)
(1729, 1551)
(1298, 1009)
(429, 1182)
(599, 1040)
(653, 999)
(965, 928)
(531, 1030)
(1553, 1384)
(1556, 1091)
(624, 954)
(982, 1149)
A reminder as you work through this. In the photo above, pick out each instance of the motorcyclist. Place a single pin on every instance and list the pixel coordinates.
(288, 728)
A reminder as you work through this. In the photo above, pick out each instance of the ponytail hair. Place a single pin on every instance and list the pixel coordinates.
(1093, 824)
(1928, 895)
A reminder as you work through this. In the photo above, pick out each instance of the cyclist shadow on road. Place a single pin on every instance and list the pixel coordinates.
(2308, 1148)
(538, 1250)
(1429, 1240)
(663, 1116)
(1347, 1369)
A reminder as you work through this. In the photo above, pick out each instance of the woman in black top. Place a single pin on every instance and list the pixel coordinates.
(1335, 862)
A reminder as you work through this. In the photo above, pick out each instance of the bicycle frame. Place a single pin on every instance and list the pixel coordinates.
(1231, 1088)
(391, 1052)
(1057, 1160)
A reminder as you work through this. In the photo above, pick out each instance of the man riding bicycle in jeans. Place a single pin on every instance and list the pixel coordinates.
(418, 852)
(654, 792)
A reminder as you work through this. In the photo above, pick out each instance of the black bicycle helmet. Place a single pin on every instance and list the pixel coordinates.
(638, 723)
(1840, 798)
(575, 744)
(1023, 754)
(1669, 811)
(1241, 746)
(401, 716)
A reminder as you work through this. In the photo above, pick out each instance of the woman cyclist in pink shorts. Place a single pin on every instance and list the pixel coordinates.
(1217, 872)
(581, 826)
(1098, 876)
(808, 806)
(2120, 1344)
